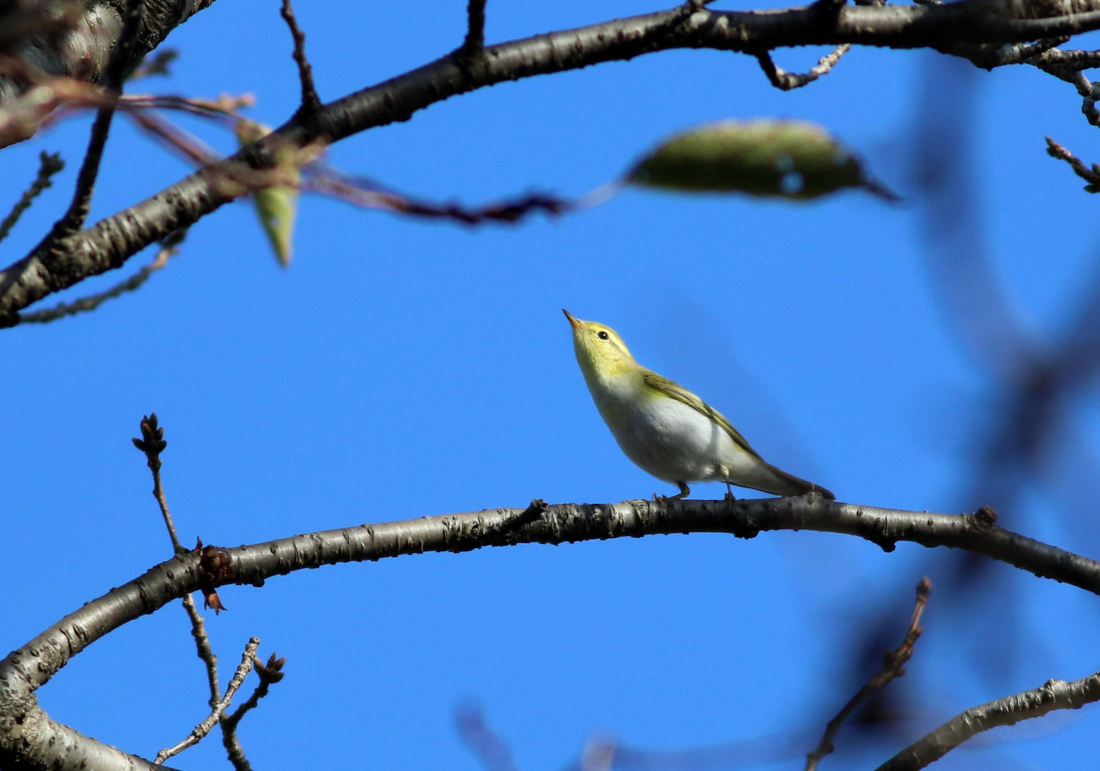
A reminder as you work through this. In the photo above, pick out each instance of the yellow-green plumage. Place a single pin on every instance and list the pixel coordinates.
(664, 428)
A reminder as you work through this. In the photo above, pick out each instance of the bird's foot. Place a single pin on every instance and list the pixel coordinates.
(730, 500)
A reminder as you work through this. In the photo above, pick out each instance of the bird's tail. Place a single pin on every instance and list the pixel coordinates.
(779, 482)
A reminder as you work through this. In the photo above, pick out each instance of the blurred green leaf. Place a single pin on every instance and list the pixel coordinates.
(276, 205)
(775, 158)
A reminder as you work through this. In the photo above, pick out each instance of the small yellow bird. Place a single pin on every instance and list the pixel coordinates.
(664, 428)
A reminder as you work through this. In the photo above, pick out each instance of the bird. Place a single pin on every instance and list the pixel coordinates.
(667, 430)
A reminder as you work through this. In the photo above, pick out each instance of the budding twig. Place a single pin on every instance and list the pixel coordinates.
(202, 729)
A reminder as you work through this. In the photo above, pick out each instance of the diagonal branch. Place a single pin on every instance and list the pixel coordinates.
(269, 674)
(202, 729)
(1052, 695)
(111, 242)
(48, 166)
(893, 667)
(91, 302)
(1092, 176)
(311, 103)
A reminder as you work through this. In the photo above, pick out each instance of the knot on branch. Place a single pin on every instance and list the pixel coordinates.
(534, 512)
(215, 568)
(984, 517)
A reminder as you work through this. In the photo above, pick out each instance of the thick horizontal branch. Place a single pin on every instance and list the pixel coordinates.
(953, 27)
(37, 742)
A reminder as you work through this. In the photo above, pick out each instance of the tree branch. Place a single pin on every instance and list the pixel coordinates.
(202, 647)
(202, 729)
(79, 42)
(1092, 176)
(1054, 694)
(269, 675)
(112, 87)
(893, 667)
(91, 302)
(152, 443)
(475, 32)
(48, 165)
(115, 239)
(311, 103)
(785, 81)
(40, 743)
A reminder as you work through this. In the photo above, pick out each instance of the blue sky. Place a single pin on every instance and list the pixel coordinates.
(399, 369)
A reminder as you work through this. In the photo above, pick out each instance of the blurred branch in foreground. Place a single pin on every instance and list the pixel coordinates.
(480, 739)
(893, 663)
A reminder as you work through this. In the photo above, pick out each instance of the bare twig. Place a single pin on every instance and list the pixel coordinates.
(182, 142)
(1090, 175)
(48, 165)
(893, 663)
(202, 647)
(786, 81)
(91, 302)
(89, 170)
(53, 98)
(328, 181)
(202, 729)
(152, 443)
(311, 103)
(475, 31)
(1052, 695)
(991, 55)
(269, 674)
(320, 178)
(224, 106)
(1070, 60)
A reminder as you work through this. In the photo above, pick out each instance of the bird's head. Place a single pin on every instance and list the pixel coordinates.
(600, 351)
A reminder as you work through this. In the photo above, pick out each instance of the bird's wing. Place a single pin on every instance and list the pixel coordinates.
(681, 394)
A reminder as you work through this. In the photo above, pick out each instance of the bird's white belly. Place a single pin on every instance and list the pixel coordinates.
(675, 442)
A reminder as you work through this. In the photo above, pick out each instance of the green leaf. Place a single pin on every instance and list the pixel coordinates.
(774, 158)
(276, 205)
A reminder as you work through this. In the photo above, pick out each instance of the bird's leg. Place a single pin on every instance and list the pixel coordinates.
(729, 496)
(684, 492)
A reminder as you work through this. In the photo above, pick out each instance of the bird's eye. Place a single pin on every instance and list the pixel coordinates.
(602, 335)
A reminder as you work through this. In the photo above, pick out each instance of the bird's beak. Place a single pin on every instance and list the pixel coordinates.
(573, 321)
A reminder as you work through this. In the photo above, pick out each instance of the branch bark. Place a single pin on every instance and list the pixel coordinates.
(30, 740)
(953, 28)
(77, 40)
(1052, 695)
